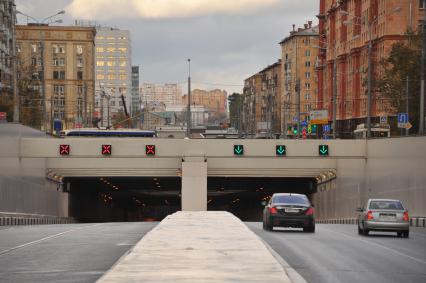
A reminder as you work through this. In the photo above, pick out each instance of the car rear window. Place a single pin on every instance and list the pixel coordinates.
(386, 204)
(291, 199)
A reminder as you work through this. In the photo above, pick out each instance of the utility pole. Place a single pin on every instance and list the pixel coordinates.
(335, 95)
(298, 106)
(188, 124)
(369, 82)
(16, 99)
(422, 74)
(407, 89)
(85, 105)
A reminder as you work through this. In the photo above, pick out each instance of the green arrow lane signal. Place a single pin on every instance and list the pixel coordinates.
(238, 149)
(280, 150)
(323, 150)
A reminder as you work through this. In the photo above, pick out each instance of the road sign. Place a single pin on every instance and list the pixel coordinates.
(150, 150)
(326, 128)
(304, 123)
(238, 149)
(383, 119)
(3, 116)
(408, 126)
(280, 150)
(106, 149)
(323, 150)
(64, 149)
(319, 117)
(402, 120)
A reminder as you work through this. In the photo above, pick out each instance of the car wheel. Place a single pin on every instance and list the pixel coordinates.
(366, 231)
(406, 233)
(309, 229)
(359, 230)
(269, 227)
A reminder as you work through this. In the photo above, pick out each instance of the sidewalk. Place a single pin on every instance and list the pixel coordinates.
(198, 247)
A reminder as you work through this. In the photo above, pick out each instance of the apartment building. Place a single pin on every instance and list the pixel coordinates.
(169, 94)
(346, 27)
(214, 101)
(7, 41)
(113, 71)
(299, 53)
(136, 101)
(59, 63)
(261, 115)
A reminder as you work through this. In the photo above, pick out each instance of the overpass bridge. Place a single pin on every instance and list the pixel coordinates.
(108, 179)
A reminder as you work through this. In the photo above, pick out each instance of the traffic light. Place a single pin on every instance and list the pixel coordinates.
(280, 150)
(64, 149)
(295, 131)
(323, 150)
(238, 149)
(106, 149)
(150, 150)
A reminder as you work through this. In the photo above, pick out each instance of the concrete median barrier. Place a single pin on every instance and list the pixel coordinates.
(199, 247)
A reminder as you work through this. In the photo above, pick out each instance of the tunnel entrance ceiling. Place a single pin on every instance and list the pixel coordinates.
(104, 199)
(242, 196)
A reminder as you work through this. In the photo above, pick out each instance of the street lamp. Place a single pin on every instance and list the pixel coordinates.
(188, 126)
(41, 43)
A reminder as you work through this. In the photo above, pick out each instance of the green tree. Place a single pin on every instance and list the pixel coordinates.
(403, 62)
(235, 109)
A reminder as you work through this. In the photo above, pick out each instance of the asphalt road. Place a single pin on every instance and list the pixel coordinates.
(65, 253)
(336, 253)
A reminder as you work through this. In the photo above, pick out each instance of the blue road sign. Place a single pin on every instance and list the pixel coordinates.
(326, 128)
(303, 123)
(402, 120)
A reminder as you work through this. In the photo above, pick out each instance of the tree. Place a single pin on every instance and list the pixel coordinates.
(235, 109)
(403, 62)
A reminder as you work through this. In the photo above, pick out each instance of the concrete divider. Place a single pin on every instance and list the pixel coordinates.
(204, 246)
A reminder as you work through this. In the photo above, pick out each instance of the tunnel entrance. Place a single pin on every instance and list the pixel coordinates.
(242, 196)
(120, 199)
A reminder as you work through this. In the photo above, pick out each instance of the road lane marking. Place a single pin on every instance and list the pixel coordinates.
(379, 245)
(44, 239)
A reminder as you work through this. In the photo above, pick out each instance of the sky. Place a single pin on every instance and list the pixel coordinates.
(226, 40)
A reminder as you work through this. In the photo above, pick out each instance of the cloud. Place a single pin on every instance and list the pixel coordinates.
(158, 9)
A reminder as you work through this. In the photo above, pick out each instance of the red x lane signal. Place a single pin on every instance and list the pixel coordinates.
(150, 150)
(64, 149)
(106, 149)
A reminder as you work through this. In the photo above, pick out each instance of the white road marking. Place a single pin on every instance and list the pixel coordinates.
(44, 239)
(379, 245)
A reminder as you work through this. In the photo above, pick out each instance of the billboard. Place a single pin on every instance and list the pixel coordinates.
(318, 117)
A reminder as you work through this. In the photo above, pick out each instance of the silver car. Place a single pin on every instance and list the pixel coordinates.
(386, 215)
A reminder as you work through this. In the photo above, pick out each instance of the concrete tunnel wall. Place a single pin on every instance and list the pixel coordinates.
(395, 168)
(23, 185)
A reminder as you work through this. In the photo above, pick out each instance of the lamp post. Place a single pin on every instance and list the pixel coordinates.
(188, 126)
(41, 44)
(422, 75)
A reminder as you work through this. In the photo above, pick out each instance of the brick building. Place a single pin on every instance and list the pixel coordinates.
(346, 27)
(214, 101)
(64, 55)
(299, 53)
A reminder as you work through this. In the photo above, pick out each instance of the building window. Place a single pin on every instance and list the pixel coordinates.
(33, 47)
(422, 4)
(123, 77)
(308, 53)
(79, 75)
(59, 75)
(33, 61)
(56, 48)
(79, 49)
(110, 49)
(112, 103)
(100, 63)
(307, 96)
(111, 77)
(58, 61)
(110, 63)
(18, 48)
(308, 64)
(79, 62)
(80, 89)
(100, 76)
(123, 63)
(307, 86)
(100, 49)
(122, 49)
(308, 75)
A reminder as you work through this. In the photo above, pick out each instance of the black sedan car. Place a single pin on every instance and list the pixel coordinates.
(289, 210)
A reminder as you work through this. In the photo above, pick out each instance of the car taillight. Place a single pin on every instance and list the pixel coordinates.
(310, 211)
(370, 215)
(405, 217)
(273, 210)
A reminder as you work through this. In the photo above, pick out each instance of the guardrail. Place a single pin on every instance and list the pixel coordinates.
(12, 220)
(414, 221)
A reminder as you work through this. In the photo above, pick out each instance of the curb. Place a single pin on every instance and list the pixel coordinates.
(292, 274)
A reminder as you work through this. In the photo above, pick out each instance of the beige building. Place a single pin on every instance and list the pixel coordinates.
(65, 55)
(214, 101)
(169, 94)
(261, 113)
(299, 54)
